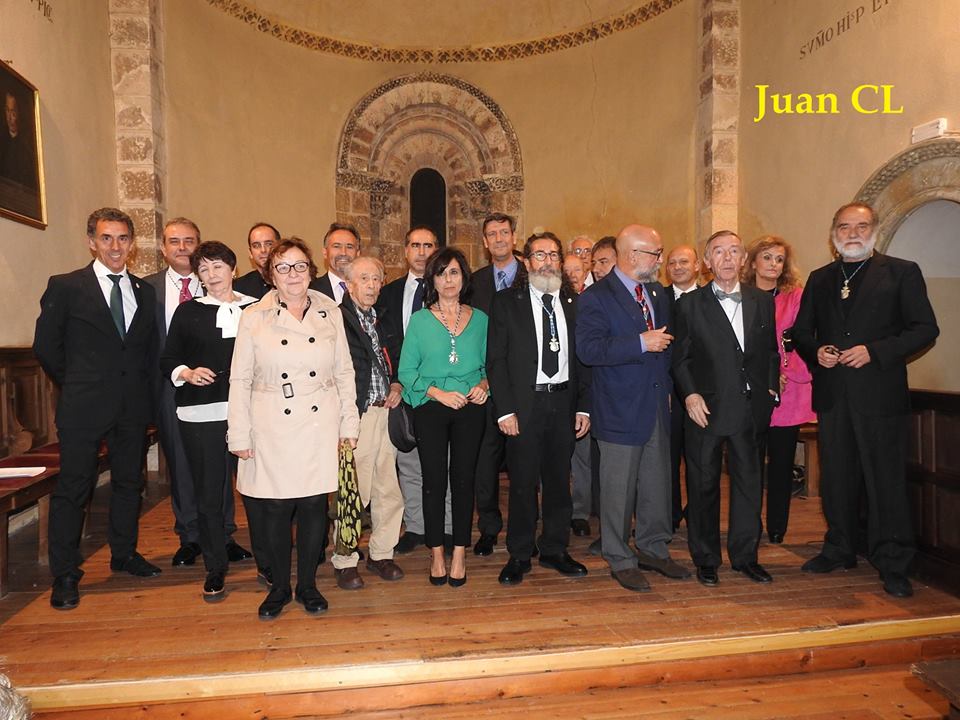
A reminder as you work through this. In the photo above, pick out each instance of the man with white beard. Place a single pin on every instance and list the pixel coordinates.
(542, 401)
(861, 317)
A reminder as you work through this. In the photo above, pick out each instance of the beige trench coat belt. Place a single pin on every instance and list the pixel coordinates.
(302, 386)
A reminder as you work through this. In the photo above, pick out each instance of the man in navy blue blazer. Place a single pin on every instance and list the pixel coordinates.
(622, 333)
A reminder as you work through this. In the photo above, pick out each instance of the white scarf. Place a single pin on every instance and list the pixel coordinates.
(228, 313)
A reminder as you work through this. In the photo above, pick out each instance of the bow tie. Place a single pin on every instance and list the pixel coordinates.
(721, 295)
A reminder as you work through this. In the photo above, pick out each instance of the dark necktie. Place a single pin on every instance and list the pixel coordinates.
(644, 308)
(549, 359)
(417, 297)
(501, 280)
(116, 305)
(343, 285)
(185, 293)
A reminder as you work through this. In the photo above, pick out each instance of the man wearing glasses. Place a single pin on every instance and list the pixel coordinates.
(260, 241)
(726, 367)
(582, 247)
(622, 333)
(542, 406)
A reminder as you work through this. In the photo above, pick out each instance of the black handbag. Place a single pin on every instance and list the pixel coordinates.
(400, 427)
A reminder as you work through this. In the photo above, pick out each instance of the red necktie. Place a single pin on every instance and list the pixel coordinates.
(644, 308)
(185, 293)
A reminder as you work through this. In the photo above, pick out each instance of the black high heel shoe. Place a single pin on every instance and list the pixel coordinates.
(437, 579)
(458, 582)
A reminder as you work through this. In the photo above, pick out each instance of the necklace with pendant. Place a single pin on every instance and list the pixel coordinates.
(453, 358)
(845, 290)
(554, 343)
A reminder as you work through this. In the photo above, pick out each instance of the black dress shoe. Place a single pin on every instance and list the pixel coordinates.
(135, 565)
(213, 590)
(580, 527)
(265, 577)
(707, 575)
(897, 585)
(237, 553)
(513, 572)
(409, 541)
(563, 564)
(311, 599)
(186, 555)
(485, 545)
(66, 592)
(754, 571)
(776, 538)
(273, 605)
(823, 564)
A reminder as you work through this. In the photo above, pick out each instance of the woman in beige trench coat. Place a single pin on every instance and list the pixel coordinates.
(292, 401)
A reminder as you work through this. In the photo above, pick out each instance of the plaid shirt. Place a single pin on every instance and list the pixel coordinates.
(379, 377)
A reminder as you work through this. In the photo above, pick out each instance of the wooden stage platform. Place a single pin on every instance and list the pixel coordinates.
(152, 648)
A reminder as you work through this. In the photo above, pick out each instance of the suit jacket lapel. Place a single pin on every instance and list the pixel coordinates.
(525, 312)
(629, 304)
(748, 305)
(101, 311)
(713, 308)
(871, 276)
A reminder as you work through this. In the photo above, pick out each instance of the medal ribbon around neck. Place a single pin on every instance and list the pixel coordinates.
(453, 357)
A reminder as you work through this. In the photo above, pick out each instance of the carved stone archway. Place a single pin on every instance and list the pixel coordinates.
(927, 171)
(435, 121)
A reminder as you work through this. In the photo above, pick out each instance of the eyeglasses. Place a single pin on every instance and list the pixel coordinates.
(541, 255)
(284, 268)
(655, 253)
(582, 251)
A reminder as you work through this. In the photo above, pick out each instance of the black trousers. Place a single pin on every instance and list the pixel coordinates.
(277, 516)
(487, 479)
(211, 470)
(126, 442)
(704, 457)
(864, 453)
(182, 497)
(677, 415)
(256, 523)
(777, 448)
(540, 455)
(441, 430)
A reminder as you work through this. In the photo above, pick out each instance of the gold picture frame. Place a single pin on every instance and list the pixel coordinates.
(22, 192)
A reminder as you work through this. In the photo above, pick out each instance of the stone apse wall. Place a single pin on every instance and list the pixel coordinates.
(426, 120)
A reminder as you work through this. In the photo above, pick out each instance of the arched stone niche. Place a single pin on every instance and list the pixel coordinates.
(426, 120)
(927, 171)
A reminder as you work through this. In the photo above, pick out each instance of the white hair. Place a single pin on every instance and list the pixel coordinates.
(13, 705)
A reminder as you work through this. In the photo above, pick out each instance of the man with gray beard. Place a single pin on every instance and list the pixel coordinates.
(860, 319)
(542, 401)
(622, 335)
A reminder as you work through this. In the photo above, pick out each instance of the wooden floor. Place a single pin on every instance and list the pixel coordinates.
(141, 642)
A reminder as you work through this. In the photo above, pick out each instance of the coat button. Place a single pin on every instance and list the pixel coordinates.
(286, 411)
(313, 373)
(656, 385)
(283, 375)
(313, 339)
(283, 342)
(846, 334)
(314, 408)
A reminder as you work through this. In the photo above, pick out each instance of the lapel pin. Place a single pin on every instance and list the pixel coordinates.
(653, 292)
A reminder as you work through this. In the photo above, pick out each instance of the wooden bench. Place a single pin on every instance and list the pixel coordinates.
(17, 494)
(811, 457)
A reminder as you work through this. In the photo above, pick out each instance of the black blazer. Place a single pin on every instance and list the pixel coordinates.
(512, 355)
(482, 286)
(102, 378)
(707, 358)
(889, 313)
(322, 284)
(361, 351)
(390, 317)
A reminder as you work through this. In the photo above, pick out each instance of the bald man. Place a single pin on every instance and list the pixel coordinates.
(622, 333)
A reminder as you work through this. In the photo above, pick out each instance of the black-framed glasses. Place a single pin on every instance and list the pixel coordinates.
(284, 268)
(541, 255)
(655, 253)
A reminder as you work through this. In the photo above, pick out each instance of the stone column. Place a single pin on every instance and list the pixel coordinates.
(137, 70)
(718, 113)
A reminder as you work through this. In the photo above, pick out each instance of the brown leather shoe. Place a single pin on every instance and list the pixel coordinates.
(348, 579)
(631, 579)
(387, 569)
(668, 567)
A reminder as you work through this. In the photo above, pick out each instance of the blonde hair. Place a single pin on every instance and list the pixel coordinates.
(789, 278)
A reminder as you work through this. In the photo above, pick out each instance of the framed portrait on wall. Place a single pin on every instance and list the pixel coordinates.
(21, 151)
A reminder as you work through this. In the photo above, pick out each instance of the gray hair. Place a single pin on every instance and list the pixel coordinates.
(13, 705)
(348, 269)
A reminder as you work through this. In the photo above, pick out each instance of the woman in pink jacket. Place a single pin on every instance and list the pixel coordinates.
(770, 267)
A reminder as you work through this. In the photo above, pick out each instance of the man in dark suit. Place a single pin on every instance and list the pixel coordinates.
(542, 405)
(860, 319)
(622, 334)
(499, 238)
(96, 339)
(397, 302)
(726, 367)
(341, 245)
(174, 285)
(683, 270)
(260, 241)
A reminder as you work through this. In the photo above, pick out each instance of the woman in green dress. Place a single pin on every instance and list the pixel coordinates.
(443, 373)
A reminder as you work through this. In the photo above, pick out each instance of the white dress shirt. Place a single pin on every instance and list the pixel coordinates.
(338, 289)
(126, 290)
(734, 312)
(171, 296)
(409, 288)
(677, 292)
(560, 320)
